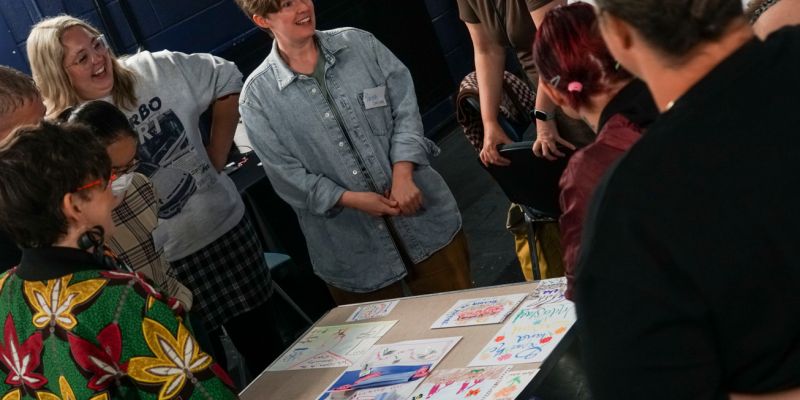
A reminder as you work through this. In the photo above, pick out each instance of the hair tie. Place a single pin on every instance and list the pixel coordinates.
(574, 86)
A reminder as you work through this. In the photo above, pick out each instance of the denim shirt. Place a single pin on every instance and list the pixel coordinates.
(311, 163)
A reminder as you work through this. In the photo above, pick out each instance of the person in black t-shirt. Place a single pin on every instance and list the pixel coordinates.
(687, 286)
(20, 104)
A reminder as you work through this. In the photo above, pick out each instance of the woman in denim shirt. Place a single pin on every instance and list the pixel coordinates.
(334, 118)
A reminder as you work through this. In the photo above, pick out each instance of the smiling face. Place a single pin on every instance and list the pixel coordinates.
(87, 63)
(295, 22)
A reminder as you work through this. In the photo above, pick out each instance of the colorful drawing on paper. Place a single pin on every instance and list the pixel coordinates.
(485, 310)
(512, 384)
(390, 364)
(529, 336)
(402, 391)
(374, 310)
(332, 346)
(460, 383)
(550, 291)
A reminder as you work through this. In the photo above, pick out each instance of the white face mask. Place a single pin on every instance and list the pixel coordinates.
(121, 184)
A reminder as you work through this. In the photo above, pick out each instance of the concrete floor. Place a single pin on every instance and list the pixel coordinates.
(483, 209)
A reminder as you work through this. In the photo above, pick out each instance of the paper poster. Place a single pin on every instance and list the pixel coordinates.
(460, 383)
(332, 346)
(391, 364)
(402, 391)
(374, 310)
(485, 310)
(530, 334)
(512, 384)
(550, 291)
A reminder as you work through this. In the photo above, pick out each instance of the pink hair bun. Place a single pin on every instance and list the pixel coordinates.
(574, 86)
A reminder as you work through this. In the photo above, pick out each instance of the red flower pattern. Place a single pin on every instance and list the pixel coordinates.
(102, 362)
(21, 360)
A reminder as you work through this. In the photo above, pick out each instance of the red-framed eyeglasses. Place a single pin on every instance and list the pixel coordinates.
(97, 182)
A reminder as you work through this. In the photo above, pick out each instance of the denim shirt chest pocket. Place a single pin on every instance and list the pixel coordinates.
(379, 118)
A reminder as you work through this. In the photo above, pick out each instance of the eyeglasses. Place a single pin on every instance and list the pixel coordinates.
(127, 168)
(99, 48)
(97, 182)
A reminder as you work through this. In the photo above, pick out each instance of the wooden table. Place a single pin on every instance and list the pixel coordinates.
(414, 316)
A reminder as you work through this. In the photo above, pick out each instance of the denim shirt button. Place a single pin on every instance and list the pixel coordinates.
(355, 172)
(341, 144)
(380, 227)
(327, 115)
(313, 90)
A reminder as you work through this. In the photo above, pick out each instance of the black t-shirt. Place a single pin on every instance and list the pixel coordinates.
(688, 286)
(9, 253)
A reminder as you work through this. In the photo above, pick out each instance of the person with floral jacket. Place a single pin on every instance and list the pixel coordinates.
(76, 323)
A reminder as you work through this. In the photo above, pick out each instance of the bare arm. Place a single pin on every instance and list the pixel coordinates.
(547, 133)
(225, 117)
(489, 65)
(538, 14)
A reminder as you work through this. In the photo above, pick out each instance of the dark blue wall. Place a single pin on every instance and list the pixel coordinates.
(425, 34)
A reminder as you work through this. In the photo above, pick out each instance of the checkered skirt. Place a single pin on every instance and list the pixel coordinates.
(228, 277)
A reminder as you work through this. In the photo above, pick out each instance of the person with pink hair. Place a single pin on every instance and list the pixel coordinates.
(582, 77)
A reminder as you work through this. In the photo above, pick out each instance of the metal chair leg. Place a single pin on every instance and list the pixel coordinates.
(292, 303)
(537, 274)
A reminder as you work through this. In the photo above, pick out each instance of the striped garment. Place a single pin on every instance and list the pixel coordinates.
(135, 219)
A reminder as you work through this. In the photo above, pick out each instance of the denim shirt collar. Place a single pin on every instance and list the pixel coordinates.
(284, 75)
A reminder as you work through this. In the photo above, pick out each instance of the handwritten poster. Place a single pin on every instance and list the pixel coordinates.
(391, 364)
(550, 291)
(332, 346)
(460, 383)
(374, 310)
(512, 384)
(530, 334)
(485, 310)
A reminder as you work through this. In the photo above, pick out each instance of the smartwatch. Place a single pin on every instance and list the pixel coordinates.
(543, 116)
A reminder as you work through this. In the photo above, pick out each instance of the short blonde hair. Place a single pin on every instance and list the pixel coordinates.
(46, 56)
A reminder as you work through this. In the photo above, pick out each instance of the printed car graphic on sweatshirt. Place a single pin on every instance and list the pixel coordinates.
(169, 160)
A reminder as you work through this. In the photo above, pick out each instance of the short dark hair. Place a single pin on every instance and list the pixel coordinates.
(38, 166)
(105, 120)
(16, 89)
(675, 27)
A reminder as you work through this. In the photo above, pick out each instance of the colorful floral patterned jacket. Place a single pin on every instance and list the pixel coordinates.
(73, 329)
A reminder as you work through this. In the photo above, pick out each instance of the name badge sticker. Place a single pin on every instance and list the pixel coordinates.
(375, 97)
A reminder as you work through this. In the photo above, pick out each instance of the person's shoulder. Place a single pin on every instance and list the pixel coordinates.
(345, 33)
(142, 56)
(340, 38)
(789, 34)
(260, 80)
(534, 5)
(140, 180)
(785, 43)
(147, 61)
(144, 187)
